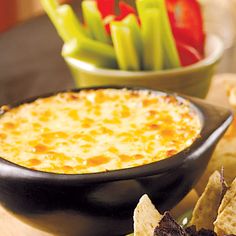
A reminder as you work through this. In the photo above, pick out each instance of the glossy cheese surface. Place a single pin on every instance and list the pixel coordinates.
(97, 130)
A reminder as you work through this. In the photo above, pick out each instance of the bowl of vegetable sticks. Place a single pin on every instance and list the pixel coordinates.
(157, 44)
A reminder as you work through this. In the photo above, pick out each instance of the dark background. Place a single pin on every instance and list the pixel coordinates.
(30, 61)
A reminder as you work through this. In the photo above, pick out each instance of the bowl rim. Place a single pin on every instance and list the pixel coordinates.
(213, 57)
(214, 119)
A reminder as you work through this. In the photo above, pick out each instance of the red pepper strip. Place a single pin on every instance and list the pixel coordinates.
(106, 7)
(188, 55)
(186, 14)
(108, 28)
(107, 20)
(125, 10)
(185, 36)
(171, 15)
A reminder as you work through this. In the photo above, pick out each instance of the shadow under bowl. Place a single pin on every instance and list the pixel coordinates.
(192, 80)
(103, 203)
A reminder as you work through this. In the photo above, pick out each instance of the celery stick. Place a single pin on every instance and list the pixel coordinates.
(90, 51)
(70, 22)
(171, 57)
(50, 7)
(142, 5)
(151, 31)
(77, 44)
(94, 21)
(64, 20)
(132, 23)
(123, 42)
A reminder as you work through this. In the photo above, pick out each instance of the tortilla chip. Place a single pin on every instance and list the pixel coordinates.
(205, 211)
(224, 156)
(168, 226)
(228, 196)
(146, 217)
(225, 153)
(226, 220)
(232, 96)
(192, 231)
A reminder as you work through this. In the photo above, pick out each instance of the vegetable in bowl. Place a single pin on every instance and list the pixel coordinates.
(158, 35)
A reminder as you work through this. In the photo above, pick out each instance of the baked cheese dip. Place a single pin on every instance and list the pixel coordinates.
(97, 130)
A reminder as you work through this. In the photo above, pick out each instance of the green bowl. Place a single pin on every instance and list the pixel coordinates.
(192, 80)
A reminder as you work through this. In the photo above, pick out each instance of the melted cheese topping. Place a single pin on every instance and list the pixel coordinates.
(97, 130)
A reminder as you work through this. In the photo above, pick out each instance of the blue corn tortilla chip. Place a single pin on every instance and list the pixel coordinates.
(169, 227)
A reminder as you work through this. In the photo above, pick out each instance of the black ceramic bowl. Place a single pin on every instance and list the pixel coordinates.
(103, 203)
